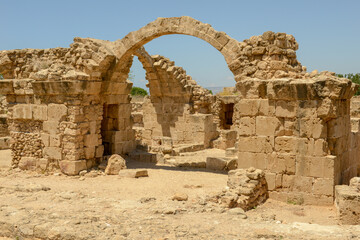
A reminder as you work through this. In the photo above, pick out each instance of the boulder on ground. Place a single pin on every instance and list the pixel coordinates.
(180, 197)
(115, 164)
(215, 163)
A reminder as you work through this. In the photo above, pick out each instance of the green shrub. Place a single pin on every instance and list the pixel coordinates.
(137, 91)
(1, 77)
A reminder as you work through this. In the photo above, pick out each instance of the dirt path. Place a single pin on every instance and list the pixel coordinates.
(108, 207)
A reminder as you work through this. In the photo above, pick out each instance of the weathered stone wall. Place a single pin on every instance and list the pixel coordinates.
(169, 111)
(354, 146)
(54, 121)
(86, 59)
(348, 202)
(3, 117)
(297, 131)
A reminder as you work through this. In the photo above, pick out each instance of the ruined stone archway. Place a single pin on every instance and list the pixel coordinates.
(126, 47)
(174, 97)
(293, 124)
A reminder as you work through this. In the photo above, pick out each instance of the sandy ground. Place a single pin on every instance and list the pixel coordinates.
(96, 206)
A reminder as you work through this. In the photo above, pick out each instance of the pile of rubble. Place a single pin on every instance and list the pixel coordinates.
(246, 189)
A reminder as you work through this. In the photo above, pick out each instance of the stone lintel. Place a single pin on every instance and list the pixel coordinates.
(67, 87)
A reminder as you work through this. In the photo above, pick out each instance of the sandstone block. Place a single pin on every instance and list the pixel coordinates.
(93, 127)
(324, 186)
(6, 87)
(348, 204)
(42, 164)
(232, 164)
(266, 107)
(133, 173)
(285, 109)
(51, 127)
(27, 163)
(52, 153)
(322, 167)
(282, 163)
(40, 112)
(5, 143)
(246, 126)
(99, 152)
(56, 112)
(268, 126)
(215, 163)
(256, 144)
(22, 111)
(291, 144)
(91, 140)
(72, 167)
(271, 180)
(248, 159)
(115, 164)
(89, 152)
(55, 140)
(302, 184)
(248, 107)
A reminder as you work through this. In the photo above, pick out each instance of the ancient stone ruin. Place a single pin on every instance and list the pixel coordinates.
(67, 108)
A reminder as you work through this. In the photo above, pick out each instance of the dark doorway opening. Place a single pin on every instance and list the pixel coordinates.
(227, 115)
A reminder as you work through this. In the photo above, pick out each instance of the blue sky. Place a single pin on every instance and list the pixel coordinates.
(328, 32)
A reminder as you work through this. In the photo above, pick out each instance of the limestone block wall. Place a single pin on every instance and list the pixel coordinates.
(55, 124)
(297, 131)
(174, 99)
(354, 156)
(174, 120)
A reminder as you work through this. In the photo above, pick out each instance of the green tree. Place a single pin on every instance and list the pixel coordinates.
(1, 77)
(138, 91)
(355, 78)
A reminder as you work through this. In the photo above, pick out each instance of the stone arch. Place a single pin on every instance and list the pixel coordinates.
(126, 47)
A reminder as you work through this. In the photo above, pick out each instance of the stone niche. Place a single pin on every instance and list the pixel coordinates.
(298, 132)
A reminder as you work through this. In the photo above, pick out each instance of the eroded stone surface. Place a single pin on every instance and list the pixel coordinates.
(115, 164)
(348, 202)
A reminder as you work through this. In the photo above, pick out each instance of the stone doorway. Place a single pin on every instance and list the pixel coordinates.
(227, 112)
